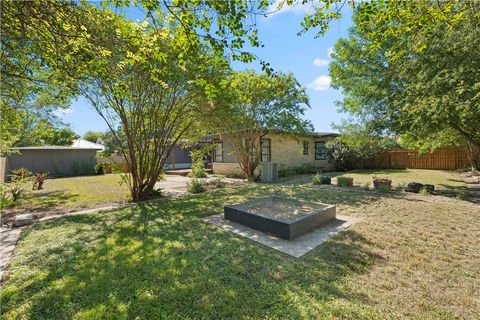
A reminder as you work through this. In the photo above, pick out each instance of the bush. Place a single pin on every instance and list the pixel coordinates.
(318, 179)
(198, 165)
(345, 182)
(235, 175)
(6, 199)
(366, 186)
(217, 183)
(424, 192)
(198, 170)
(343, 157)
(384, 188)
(196, 186)
(302, 169)
(20, 174)
(38, 180)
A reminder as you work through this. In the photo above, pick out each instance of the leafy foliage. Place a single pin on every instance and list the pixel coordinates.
(198, 163)
(255, 104)
(196, 186)
(344, 182)
(412, 69)
(150, 95)
(319, 179)
(356, 144)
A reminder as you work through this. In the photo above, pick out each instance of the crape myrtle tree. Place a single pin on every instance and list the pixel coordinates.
(255, 104)
(412, 69)
(153, 90)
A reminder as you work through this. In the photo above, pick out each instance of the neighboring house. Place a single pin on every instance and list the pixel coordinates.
(56, 160)
(285, 150)
(85, 144)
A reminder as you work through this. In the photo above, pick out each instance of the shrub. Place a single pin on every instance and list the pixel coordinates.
(302, 169)
(384, 188)
(318, 179)
(400, 186)
(366, 186)
(235, 175)
(343, 157)
(6, 199)
(198, 165)
(198, 169)
(38, 180)
(20, 174)
(217, 183)
(196, 186)
(424, 192)
(464, 195)
(345, 182)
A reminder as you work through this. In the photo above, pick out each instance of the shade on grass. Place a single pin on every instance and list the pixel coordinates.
(408, 256)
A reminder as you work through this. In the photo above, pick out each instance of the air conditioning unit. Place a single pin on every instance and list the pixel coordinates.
(269, 171)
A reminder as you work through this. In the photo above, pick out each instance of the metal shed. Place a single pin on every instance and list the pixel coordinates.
(56, 160)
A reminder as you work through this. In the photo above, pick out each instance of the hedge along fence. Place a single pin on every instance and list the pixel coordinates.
(441, 159)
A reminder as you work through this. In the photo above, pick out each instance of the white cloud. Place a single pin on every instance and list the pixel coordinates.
(330, 51)
(279, 7)
(62, 112)
(320, 83)
(320, 62)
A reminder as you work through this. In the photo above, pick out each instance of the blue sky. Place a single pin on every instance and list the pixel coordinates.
(306, 56)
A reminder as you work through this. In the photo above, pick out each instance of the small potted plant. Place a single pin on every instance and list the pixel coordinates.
(382, 183)
(345, 182)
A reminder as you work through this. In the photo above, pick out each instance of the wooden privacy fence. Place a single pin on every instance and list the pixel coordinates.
(443, 159)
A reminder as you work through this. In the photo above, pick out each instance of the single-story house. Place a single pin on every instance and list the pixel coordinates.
(56, 160)
(283, 149)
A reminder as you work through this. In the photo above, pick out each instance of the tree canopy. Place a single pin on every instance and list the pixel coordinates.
(412, 69)
(253, 105)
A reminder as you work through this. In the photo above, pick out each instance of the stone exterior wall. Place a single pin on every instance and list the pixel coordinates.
(288, 151)
(229, 168)
(285, 150)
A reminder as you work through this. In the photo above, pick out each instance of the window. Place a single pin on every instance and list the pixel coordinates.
(305, 147)
(265, 145)
(320, 150)
(219, 152)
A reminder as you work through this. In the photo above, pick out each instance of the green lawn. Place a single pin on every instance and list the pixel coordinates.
(400, 177)
(77, 192)
(409, 256)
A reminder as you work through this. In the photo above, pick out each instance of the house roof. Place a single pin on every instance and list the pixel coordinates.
(313, 134)
(85, 144)
(325, 134)
(52, 148)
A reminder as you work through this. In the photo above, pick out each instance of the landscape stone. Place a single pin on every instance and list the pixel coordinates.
(23, 220)
(414, 187)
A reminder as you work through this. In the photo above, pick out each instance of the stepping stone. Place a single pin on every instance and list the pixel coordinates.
(23, 220)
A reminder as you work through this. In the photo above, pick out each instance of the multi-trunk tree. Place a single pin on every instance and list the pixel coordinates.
(256, 104)
(153, 91)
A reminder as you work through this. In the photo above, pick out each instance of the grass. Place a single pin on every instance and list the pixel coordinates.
(400, 177)
(77, 192)
(409, 256)
(441, 179)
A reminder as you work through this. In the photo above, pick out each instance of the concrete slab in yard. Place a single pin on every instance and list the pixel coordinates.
(295, 248)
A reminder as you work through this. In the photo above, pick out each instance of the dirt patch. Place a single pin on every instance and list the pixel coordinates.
(281, 209)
